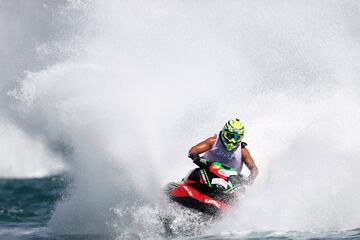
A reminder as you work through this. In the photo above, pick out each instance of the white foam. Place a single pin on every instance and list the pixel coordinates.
(25, 157)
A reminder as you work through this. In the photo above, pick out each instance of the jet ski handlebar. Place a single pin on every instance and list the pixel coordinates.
(205, 164)
(200, 161)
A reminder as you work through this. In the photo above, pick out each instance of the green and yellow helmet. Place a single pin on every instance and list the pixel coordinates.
(232, 134)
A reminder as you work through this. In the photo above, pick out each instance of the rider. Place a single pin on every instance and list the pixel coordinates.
(227, 148)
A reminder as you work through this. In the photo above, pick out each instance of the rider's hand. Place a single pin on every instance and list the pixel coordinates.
(200, 161)
(194, 157)
(248, 180)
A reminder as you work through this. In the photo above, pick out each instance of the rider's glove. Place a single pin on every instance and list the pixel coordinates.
(200, 161)
(194, 157)
(248, 180)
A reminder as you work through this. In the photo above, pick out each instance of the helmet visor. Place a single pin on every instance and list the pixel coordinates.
(232, 137)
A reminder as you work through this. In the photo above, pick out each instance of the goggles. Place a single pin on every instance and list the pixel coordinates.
(232, 137)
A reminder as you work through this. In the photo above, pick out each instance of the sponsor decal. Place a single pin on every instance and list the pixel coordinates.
(227, 173)
(213, 202)
(188, 191)
(222, 154)
(203, 176)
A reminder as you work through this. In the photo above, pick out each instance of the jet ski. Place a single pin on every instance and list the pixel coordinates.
(212, 188)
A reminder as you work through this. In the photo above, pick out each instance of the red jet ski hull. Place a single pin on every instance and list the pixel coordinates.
(189, 197)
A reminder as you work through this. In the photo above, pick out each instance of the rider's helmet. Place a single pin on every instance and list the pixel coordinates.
(232, 134)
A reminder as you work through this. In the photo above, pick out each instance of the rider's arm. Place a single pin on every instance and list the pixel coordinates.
(203, 146)
(250, 164)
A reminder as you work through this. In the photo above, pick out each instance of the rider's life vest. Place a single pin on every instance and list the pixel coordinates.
(219, 153)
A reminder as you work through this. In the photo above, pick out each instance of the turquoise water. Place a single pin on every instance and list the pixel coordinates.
(27, 205)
